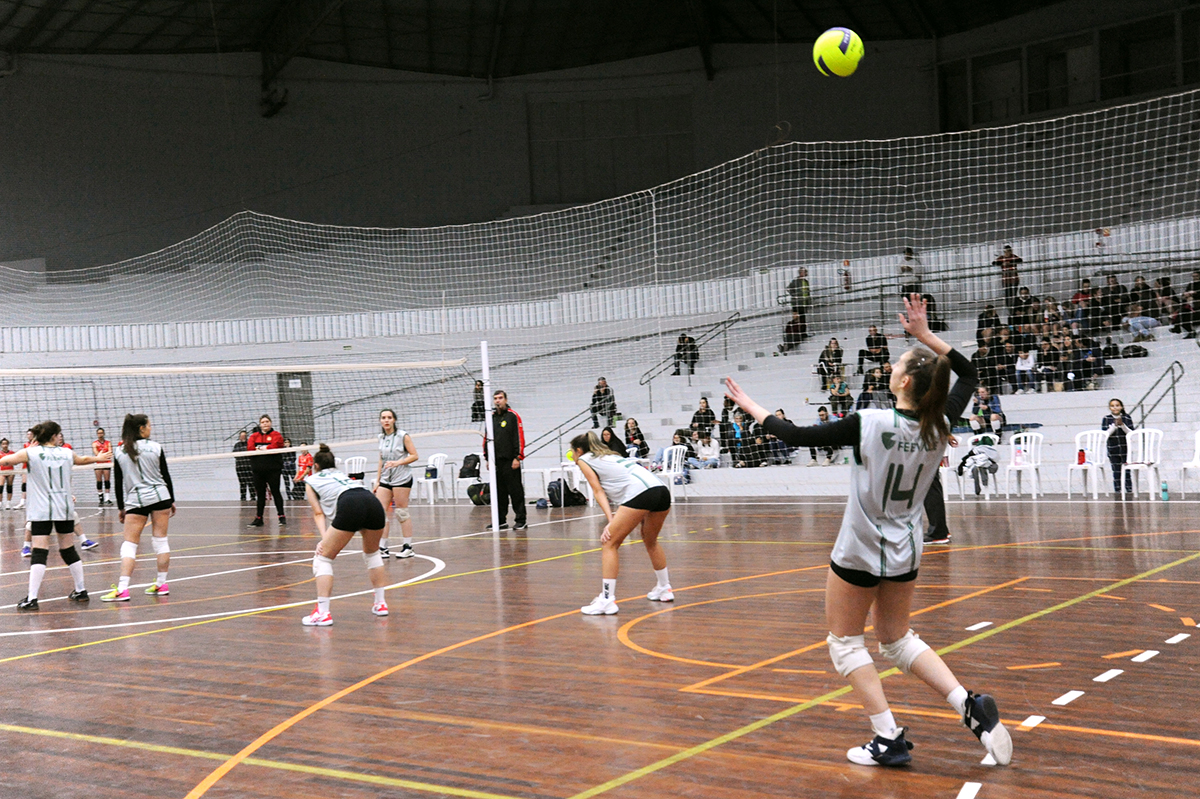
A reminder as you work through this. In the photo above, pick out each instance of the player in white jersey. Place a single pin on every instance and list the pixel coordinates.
(144, 493)
(878, 550)
(394, 480)
(50, 507)
(341, 507)
(640, 498)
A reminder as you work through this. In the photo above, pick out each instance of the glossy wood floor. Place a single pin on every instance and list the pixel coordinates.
(487, 682)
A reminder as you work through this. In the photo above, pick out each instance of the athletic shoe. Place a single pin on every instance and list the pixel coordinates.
(315, 619)
(79, 596)
(385, 553)
(503, 526)
(521, 526)
(380, 609)
(983, 718)
(27, 604)
(600, 607)
(880, 751)
(256, 523)
(21, 505)
(88, 544)
(116, 596)
(283, 521)
(937, 539)
(661, 594)
(26, 551)
(827, 462)
(158, 590)
(109, 502)
(814, 463)
(406, 551)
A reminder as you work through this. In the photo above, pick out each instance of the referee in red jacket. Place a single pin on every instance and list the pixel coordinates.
(510, 451)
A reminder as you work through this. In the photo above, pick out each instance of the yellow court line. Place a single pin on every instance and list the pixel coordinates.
(820, 700)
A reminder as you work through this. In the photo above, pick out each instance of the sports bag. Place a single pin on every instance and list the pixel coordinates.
(470, 466)
(480, 493)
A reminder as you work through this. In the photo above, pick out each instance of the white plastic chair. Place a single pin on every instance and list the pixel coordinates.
(432, 484)
(991, 487)
(1145, 452)
(1094, 444)
(355, 465)
(673, 465)
(1194, 463)
(944, 471)
(1025, 455)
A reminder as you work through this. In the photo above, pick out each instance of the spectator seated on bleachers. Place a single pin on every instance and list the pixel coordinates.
(823, 417)
(793, 334)
(681, 438)
(1113, 299)
(876, 349)
(708, 451)
(839, 395)
(1139, 324)
(829, 363)
(703, 420)
(986, 413)
(778, 452)
(1025, 371)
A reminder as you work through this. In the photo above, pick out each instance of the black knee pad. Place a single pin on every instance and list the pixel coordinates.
(69, 555)
(107, 484)
(99, 485)
(38, 557)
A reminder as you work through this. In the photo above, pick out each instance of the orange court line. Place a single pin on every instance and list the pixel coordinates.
(1034, 666)
(1188, 622)
(1128, 654)
(1110, 596)
(1161, 607)
(1044, 590)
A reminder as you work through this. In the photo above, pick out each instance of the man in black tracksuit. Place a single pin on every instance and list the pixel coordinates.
(510, 451)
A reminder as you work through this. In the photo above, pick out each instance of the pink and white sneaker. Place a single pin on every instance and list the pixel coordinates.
(158, 590)
(317, 619)
(380, 609)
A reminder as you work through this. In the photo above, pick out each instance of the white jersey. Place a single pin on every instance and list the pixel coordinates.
(142, 480)
(329, 485)
(391, 448)
(49, 484)
(621, 478)
(882, 529)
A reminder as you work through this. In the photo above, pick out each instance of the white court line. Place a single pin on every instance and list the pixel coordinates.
(438, 565)
(1067, 698)
(980, 625)
(1142, 658)
(1108, 675)
(1032, 722)
(1175, 639)
(969, 790)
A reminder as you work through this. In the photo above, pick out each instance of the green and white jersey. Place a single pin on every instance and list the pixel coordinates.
(882, 529)
(329, 485)
(621, 478)
(49, 484)
(391, 448)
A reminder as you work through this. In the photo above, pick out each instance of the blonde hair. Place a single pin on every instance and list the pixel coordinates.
(591, 444)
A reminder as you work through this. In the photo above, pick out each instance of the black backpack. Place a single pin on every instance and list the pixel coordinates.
(480, 493)
(470, 466)
(1135, 351)
(560, 495)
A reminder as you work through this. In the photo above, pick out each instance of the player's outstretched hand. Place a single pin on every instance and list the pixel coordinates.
(915, 318)
(735, 393)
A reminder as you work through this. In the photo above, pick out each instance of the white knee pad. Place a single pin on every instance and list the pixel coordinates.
(129, 550)
(848, 653)
(402, 515)
(161, 547)
(904, 652)
(374, 560)
(322, 566)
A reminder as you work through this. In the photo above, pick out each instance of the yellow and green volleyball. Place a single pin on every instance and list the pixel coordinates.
(837, 51)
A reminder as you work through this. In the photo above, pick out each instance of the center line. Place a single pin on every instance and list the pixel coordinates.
(1142, 658)
(1067, 698)
(979, 626)
(1108, 675)
(969, 790)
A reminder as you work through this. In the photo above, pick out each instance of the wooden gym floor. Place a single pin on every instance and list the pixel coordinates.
(487, 682)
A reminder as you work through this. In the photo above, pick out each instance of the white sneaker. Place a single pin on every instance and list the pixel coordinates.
(20, 505)
(380, 609)
(661, 593)
(813, 463)
(827, 462)
(316, 619)
(600, 607)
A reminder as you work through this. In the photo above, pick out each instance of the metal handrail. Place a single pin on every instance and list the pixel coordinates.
(555, 432)
(708, 334)
(1170, 389)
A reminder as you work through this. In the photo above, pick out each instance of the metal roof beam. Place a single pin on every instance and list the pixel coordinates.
(204, 21)
(702, 19)
(289, 31)
(111, 29)
(167, 20)
(36, 25)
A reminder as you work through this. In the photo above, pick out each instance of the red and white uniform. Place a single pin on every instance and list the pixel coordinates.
(100, 447)
(2, 454)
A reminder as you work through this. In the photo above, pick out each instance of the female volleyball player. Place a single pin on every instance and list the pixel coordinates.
(641, 498)
(103, 478)
(351, 508)
(7, 474)
(266, 469)
(878, 550)
(144, 493)
(393, 482)
(51, 506)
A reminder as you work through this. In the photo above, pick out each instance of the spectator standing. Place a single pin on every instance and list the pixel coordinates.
(610, 439)
(686, 353)
(829, 363)
(510, 451)
(800, 294)
(708, 451)
(289, 468)
(876, 350)
(478, 406)
(1118, 443)
(635, 442)
(266, 470)
(604, 403)
(242, 466)
(793, 333)
(1010, 277)
(704, 418)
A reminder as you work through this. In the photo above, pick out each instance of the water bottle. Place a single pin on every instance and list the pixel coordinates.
(1082, 458)
(1165, 494)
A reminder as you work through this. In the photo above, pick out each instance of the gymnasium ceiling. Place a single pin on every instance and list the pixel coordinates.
(468, 38)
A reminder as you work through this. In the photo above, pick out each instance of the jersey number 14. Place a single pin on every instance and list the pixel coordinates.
(891, 488)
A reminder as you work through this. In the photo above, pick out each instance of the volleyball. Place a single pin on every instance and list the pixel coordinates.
(837, 51)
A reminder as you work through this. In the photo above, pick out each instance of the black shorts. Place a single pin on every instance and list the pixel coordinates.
(406, 484)
(866, 579)
(57, 526)
(652, 499)
(357, 509)
(148, 509)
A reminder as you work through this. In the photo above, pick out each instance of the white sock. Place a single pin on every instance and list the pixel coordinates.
(161, 579)
(661, 576)
(608, 589)
(378, 595)
(885, 725)
(122, 584)
(77, 574)
(958, 699)
(383, 543)
(36, 572)
(407, 540)
(323, 604)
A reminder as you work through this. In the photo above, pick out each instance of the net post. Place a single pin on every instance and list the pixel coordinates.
(491, 436)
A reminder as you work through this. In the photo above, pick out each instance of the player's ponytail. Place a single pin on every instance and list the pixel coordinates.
(131, 432)
(44, 432)
(930, 386)
(324, 458)
(591, 444)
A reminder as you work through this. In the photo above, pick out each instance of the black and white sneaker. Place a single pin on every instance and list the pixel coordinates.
(983, 718)
(937, 539)
(385, 553)
(503, 526)
(406, 551)
(27, 604)
(880, 751)
(79, 596)
(520, 526)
